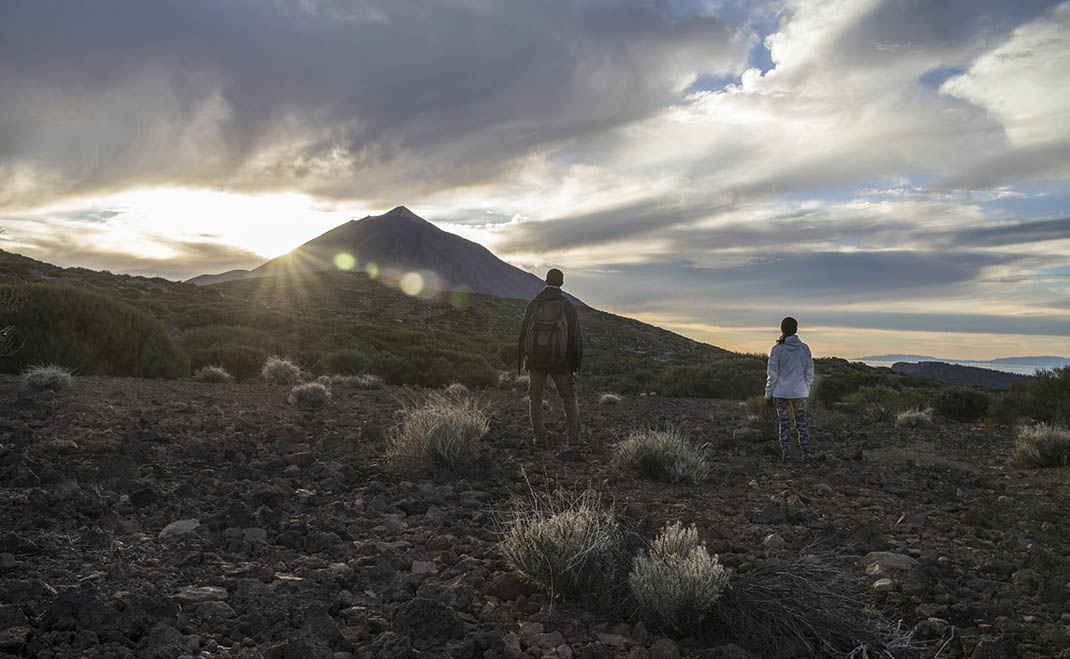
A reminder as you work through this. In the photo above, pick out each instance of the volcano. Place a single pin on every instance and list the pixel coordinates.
(392, 245)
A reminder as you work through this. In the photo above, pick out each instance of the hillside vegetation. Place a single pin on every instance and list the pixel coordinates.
(342, 323)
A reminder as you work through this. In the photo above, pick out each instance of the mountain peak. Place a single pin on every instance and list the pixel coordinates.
(401, 211)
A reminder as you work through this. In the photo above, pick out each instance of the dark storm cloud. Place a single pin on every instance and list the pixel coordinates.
(335, 98)
(839, 277)
(1011, 234)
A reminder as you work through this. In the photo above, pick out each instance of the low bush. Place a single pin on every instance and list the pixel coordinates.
(238, 360)
(1044, 398)
(1043, 445)
(457, 389)
(913, 418)
(47, 377)
(733, 378)
(346, 362)
(676, 582)
(961, 404)
(212, 374)
(277, 370)
(566, 544)
(888, 400)
(665, 455)
(312, 394)
(441, 431)
(89, 332)
(609, 399)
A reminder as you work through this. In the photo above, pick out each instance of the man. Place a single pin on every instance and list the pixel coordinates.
(551, 347)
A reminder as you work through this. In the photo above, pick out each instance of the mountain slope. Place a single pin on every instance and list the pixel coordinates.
(392, 245)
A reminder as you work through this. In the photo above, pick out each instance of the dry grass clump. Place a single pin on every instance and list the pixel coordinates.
(212, 374)
(801, 608)
(277, 370)
(566, 544)
(609, 399)
(46, 377)
(664, 455)
(1043, 445)
(440, 431)
(312, 394)
(509, 380)
(366, 381)
(457, 389)
(914, 418)
(676, 582)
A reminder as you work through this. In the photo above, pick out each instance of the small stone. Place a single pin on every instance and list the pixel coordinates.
(254, 534)
(424, 567)
(549, 640)
(883, 585)
(8, 562)
(196, 594)
(824, 489)
(888, 562)
(180, 527)
(614, 640)
(14, 639)
(664, 648)
(300, 459)
(774, 543)
(1026, 577)
(213, 609)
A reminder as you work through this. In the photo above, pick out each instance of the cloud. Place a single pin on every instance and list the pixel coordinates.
(334, 98)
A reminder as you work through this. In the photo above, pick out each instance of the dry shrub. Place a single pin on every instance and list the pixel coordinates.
(664, 455)
(1043, 445)
(212, 374)
(609, 399)
(440, 431)
(913, 418)
(676, 582)
(312, 394)
(46, 377)
(801, 608)
(358, 381)
(566, 544)
(457, 389)
(509, 380)
(277, 370)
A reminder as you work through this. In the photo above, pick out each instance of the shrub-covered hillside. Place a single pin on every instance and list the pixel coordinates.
(335, 322)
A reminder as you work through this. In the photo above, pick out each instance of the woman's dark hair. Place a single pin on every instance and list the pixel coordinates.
(788, 326)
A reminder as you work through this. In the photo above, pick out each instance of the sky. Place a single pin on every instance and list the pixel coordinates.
(895, 174)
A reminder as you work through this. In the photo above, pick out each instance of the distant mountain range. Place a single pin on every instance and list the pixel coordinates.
(392, 245)
(1042, 361)
(968, 376)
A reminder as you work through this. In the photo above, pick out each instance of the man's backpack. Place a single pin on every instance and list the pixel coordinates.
(546, 339)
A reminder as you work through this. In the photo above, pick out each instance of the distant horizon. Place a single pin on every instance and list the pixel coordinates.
(894, 175)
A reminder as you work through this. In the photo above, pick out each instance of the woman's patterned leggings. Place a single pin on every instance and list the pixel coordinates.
(784, 408)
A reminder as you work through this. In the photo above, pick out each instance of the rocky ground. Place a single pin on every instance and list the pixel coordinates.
(159, 518)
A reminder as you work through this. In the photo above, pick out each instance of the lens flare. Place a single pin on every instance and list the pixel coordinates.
(345, 261)
(372, 270)
(412, 283)
(459, 298)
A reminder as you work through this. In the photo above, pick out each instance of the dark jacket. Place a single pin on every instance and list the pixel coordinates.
(574, 357)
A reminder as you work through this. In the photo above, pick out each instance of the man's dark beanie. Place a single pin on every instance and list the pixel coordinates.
(789, 326)
(555, 277)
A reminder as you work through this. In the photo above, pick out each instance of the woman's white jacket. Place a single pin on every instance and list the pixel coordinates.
(790, 371)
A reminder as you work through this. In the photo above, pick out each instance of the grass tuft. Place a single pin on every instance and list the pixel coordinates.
(914, 418)
(312, 394)
(676, 582)
(47, 377)
(665, 455)
(457, 389)
(441, 431)
(801, 608)
(609, 399)
(212, 374)
(358, 381)
(1043, 445)
(566, 544)
(277, 370)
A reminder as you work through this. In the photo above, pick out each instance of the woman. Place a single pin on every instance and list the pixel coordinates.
(790, 374)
